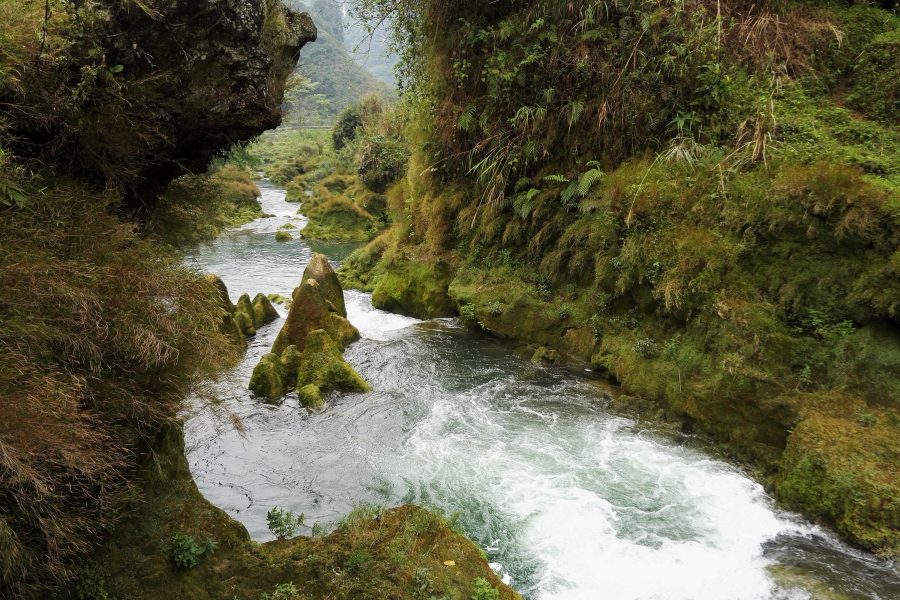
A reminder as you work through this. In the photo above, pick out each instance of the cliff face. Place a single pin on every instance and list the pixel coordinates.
(139, 97)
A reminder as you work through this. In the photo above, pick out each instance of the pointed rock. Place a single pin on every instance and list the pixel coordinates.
(309, 312)
(263, 311)
(322, 365)
(320, 269)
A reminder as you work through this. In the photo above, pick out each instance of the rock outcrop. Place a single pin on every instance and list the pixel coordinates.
(307, 351)
(244, 318)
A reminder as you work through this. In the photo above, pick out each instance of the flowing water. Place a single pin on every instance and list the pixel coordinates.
(568, 499)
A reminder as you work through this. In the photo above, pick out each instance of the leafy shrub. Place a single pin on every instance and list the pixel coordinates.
(467, 312)
(345, 127)
(646, 348)
(382, 161)
(484, 591)
(283, 523)
(91, 584)
(187, 553)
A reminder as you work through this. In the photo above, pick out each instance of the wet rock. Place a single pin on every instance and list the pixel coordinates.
(309, 312)
(263, 311)
(267, 380)
(290, 363)
(283, 236)
(330, 286)
(416, 289)
(310, 396)
(346, 332)
(231, 328)
(245, 305)
(544, 355)
(323, 366)
(245, 322)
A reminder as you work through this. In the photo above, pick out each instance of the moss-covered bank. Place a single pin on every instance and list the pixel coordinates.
(700, 207)
(373, 553)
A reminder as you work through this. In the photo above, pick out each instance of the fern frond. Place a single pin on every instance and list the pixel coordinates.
(556, 178)
(587, 181)
(466, 119)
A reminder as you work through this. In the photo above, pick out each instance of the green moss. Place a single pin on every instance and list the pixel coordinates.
(339, 219)
(416, 289)
(244, 322)
(329, 285)
(266, 380)
(309, 312)
(283, 236)
(263, 311)
(545, 355)
(310, 396)
(323, 366)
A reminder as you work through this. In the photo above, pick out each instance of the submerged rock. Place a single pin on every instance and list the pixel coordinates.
(330, 286)
(323, 366)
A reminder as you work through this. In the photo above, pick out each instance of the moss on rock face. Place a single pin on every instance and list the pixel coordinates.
(220, 286)
(395, 544)
(416, 289)
(329, 285)
(310, 396)
(283, 236)
(309, 312)
(244, 322)
(267, 379)
(263, 311)
(290, 363)
(323, 366)
(545, 355)
(346, 332)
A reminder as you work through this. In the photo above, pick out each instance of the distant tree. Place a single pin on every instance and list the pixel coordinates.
(345, 127)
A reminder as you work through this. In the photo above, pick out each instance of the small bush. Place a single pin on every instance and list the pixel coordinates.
(345, 127)
(646, 348)
(495, 309)
(186, 552)
(283, 523)
(484, 590)
(467, 312)
(357, 561)
(283, 591)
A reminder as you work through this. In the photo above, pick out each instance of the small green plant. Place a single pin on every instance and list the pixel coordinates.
(318, 530)
(360, 512)
(571, 291)
(357, 561)
(495, 309)
(805, 377)
(484, 591)
(422, 585)
(186, 552)
(564, 311)
(283, 523)
(91, 584)
(868, 420)
(646, 348)
(283, 591)
(596, 324)
(670, 348)
(467, 312)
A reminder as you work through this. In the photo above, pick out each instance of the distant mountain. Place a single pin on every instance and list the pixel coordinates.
(336, 80)
(371, 51)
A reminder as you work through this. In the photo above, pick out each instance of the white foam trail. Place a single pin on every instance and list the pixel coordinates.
(371, 322)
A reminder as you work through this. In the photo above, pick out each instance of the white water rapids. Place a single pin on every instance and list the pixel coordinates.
(570, 500)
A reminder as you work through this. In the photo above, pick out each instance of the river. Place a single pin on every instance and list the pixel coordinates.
(570, 500)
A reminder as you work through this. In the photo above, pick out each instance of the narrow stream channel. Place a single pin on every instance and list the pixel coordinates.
(569, 500)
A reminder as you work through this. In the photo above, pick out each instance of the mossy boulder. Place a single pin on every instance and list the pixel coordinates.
(544, 355)
(222, 289)
(346, 332)
(309, 312)
(323, 366)
(329, 285)
(267, 379)
(263, 311)
(310, 396)
(416, 289)
(244, 322)
(283, 236)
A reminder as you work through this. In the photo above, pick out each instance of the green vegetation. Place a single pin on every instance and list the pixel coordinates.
(283, 523)
(187, 553)
(699, 200)
(104, 330)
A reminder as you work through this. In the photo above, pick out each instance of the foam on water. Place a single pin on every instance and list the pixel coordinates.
(570, 501)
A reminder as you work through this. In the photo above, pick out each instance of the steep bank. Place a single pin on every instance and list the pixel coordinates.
(104, 329)
(725, 247)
